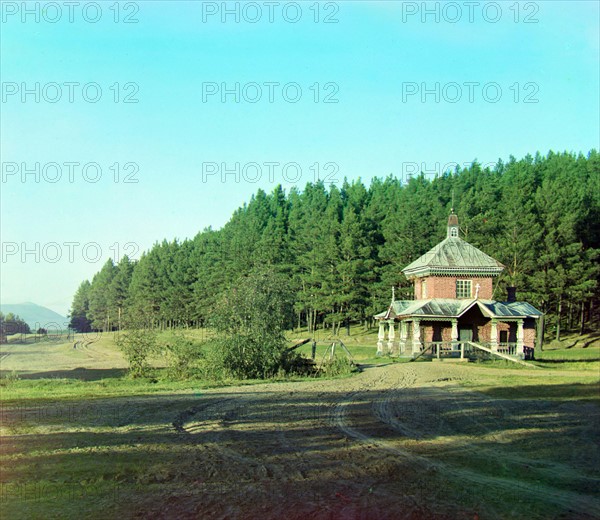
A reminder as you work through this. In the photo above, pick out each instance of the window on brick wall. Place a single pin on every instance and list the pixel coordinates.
(424, 289)
(463, 288)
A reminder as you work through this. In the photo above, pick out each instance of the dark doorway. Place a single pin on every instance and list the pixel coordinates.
(437, 332)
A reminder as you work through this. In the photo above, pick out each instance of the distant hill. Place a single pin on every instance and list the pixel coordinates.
(35, 315)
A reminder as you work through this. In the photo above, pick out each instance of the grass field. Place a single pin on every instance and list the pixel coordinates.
(80, 439)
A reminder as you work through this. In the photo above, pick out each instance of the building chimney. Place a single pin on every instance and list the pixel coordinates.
(511, 293)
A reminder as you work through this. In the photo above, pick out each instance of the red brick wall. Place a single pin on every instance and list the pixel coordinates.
(482, 329)
(485, 332)
(529, 332)
(436, 331)
(445, 286)
(418, 288)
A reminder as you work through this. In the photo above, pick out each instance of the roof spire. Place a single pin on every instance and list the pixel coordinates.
(393, 294)
(452, 225)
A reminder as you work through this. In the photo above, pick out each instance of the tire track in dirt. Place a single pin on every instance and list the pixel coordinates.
(215, 426)
(258, 437)
(295, 464)
(382, 412)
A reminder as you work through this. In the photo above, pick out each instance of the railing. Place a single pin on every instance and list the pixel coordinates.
(461, 349)
(446, 349)
(510, 349)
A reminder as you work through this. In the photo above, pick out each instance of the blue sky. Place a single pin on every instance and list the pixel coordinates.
(375, 61)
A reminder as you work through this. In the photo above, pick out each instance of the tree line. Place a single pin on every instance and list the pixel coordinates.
(341, 249)
(12, 324)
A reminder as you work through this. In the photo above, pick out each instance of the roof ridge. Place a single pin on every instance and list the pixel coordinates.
(453, 253)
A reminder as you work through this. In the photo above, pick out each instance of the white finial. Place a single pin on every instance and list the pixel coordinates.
(393, 294)
(477, 287)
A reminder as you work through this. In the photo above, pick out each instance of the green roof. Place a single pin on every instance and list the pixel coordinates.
(454, 308)
(454, 256)
(513, 309)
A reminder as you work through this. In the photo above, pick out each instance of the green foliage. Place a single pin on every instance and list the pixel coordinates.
(251, 319)
(184, 357)
(80, 309)
(138, 344)
(342, 248)
(10, 378)
(12, 324)
(337, 366)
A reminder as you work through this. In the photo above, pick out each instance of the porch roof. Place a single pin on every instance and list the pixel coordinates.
(455, 308)
(514, 309)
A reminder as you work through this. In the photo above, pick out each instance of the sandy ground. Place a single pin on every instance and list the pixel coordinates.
(400, 441)
(48, 359)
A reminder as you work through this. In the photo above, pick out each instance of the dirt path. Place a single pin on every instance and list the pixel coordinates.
(401, 441)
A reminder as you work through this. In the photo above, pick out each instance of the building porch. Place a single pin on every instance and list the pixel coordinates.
(455, 337)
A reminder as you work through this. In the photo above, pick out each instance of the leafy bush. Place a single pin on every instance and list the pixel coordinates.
(242, 356)
(10, 378)
(337, 366)
(137, 345)
(183, 357)
(251, 319)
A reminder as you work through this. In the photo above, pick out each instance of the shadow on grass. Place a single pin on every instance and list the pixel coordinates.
(212, 454)
(576, 391)
(561, 361)
(80, 373)
(591, 338)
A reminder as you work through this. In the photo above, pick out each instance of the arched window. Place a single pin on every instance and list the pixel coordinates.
(453, 232)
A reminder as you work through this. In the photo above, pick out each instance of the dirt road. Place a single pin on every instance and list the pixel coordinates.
(399, 441)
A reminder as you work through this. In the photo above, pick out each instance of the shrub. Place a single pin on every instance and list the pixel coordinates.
(137, 345)
(183, 357)
(337, 366)
(250, 320)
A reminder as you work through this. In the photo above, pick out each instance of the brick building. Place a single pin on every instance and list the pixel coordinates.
(454, 312)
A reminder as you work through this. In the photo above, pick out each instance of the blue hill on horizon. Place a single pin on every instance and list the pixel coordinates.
(35, 315)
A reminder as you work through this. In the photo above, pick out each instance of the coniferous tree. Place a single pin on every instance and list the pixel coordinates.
(343, 249)
(79, 314)
(99, 301)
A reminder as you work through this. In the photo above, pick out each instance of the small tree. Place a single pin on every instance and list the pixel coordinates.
(137, 345)
(183, 357)
(250, 320)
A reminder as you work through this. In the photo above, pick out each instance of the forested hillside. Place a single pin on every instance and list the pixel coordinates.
(343, 247)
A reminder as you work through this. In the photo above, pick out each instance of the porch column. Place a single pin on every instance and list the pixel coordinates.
(494, 335)
(391, 336)
(454, 336)
(380, 338)
(520, 339)
(403, 334)
(417, 336)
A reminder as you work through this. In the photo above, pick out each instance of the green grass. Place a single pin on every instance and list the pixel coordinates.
(575, 354)
(22, 391)
(523, 383)
(572, 347)
(92, 444)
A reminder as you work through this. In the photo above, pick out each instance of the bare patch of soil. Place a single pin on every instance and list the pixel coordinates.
(400, 441)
